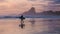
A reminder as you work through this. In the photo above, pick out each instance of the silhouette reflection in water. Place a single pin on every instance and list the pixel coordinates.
(22, 21)
(32, 22)
(22, 25)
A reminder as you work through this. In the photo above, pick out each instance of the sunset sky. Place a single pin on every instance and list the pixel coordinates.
(15, 7)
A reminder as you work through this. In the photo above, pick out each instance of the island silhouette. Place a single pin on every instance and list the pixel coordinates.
(31, 13)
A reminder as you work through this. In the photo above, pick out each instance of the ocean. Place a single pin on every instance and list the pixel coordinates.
(32, 26)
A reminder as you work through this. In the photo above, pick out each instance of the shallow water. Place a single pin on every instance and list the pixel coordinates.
(32, 26)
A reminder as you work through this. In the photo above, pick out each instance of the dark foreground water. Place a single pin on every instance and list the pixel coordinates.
(32, 26)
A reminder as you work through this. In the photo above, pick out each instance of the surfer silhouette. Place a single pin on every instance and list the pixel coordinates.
(22, 21)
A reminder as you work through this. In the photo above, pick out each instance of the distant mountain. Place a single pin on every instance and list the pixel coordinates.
(32, 13)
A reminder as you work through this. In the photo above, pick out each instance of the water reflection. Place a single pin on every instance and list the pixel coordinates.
(32, 22)
(53, 26)
(32, 26)
(22, 25)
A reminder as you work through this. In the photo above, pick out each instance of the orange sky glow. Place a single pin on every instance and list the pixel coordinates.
(15, 7)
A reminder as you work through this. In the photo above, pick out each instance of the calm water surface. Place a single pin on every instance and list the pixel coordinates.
(32, 26)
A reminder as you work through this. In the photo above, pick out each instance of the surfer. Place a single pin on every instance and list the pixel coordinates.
(22, 21)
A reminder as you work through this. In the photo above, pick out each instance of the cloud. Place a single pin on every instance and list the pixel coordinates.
(2, 1)
(57, 1)
(13, 8)
(32, 0)
(17, 6)
(47, 4)
(53, 5)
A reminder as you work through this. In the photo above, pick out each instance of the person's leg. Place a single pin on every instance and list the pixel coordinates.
(21, 21)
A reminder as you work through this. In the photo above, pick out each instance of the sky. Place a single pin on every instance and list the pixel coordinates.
(15, 7)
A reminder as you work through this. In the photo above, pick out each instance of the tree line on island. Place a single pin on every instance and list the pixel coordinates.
(51, 12)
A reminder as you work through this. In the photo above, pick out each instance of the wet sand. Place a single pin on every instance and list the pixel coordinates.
(32, 26)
